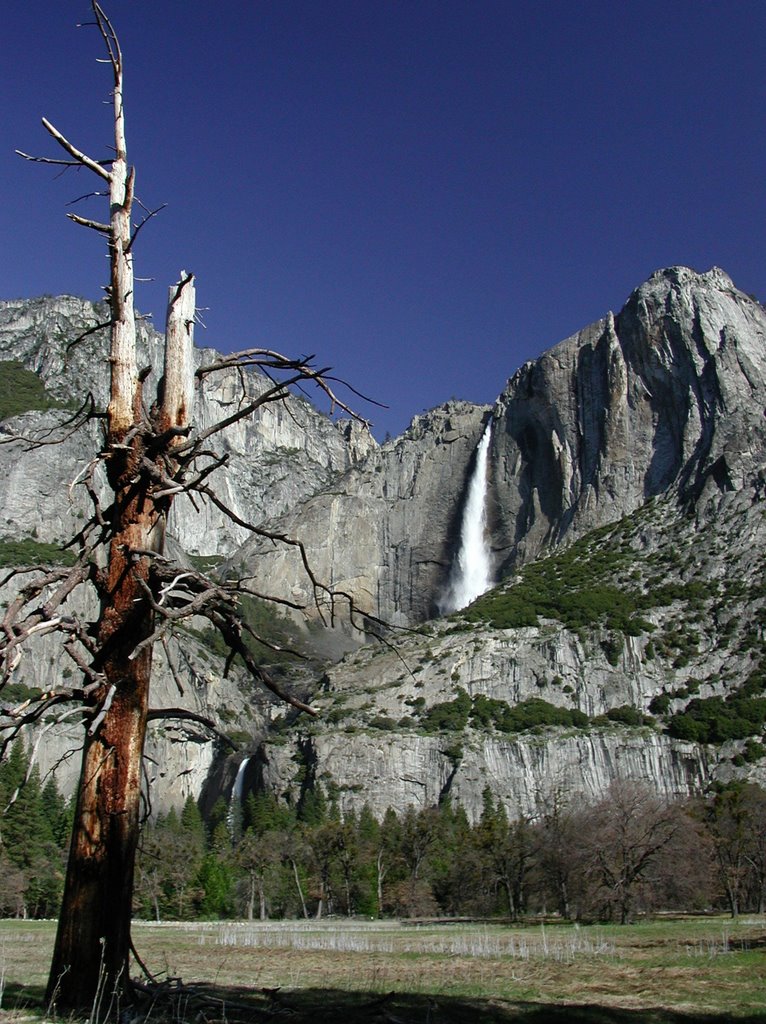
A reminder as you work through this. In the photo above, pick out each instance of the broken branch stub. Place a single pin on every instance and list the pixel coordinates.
(178, 379)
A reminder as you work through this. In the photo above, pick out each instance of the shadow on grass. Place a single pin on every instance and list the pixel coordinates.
(21, 997)
(215, 1004)
(239, 1005)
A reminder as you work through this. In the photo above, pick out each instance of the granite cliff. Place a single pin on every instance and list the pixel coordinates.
(626, 527)
(276, 459)
(666, 396)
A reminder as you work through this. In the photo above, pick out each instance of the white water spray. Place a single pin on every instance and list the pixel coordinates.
(471, 575)
(234, 817)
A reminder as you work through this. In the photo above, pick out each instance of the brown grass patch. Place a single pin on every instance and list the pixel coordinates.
(666, 971)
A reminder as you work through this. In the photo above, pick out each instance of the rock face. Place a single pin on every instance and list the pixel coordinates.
(425, 718)
(386, 531)
(412, 770)
(633, 452)
(652, 420)
(278, 458)
(666, 395)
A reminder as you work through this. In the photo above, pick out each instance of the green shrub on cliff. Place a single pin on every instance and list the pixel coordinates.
(21, 390)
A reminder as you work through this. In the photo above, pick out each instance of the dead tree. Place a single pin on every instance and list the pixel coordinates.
(151, 453)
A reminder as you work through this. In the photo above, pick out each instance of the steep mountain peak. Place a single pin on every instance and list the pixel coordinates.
(715, 277)
(666, 397)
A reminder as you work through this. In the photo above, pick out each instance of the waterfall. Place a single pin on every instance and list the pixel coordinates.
(471, 575)
(234, 817)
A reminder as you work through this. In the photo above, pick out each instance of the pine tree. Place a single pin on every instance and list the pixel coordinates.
(216, 885)
(312, 807)
(263, 812)
(192, 826)
(12, 773)
(57, 813)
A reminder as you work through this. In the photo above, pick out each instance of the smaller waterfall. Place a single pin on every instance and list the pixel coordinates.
(471, 574)
(234, 817)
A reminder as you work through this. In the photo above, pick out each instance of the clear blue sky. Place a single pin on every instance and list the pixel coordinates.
(425, 193)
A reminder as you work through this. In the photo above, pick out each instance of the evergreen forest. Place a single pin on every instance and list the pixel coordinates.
(627, 855)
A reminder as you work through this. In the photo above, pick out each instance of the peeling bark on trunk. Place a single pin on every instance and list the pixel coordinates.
(93, 939)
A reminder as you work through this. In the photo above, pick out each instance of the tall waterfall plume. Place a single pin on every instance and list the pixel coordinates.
(234, 817)
(471, 573)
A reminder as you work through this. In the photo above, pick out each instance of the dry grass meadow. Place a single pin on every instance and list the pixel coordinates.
(695, 969)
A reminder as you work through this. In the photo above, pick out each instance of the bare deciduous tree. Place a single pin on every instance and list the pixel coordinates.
(151, 453)
(735, 820)
(628, 831)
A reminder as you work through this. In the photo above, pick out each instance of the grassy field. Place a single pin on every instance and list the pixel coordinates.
(676, 971)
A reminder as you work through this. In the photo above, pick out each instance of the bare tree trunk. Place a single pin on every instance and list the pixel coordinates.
(93, 938)
(512, 912)
(347, 887)
(251, 897)
(299, 887)
(381, 872)
(178, 382)
(147, 455)
(562, 890)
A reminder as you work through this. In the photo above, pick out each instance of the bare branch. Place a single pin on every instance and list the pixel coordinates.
(147, 218)
(57, 163)
(260, 357)
(87, 223)
(267, 360)
(86, 195)
(94, 165)
(18, 721)
(183, 715)
(270, 645)
(18, 627)
(49, 436)
(193, 603)
(269, 598)
(87, 333)
(282, 538)
(172, 666)
(277, 393)
(107, 703)
(110, 40)
(32, 755)
(359, 394)
(171, 488)
(230, 629)
(97, 680)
